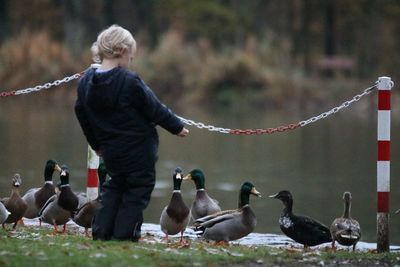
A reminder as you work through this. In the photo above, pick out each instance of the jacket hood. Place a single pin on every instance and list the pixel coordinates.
(103, 88)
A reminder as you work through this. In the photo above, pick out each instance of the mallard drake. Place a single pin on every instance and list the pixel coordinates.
(3, 213)
(84, 215)
(61, 207)
(102, 173)
(175, 217)
(82, 197)
(15, 204)
(203, 204)
(345, 230)
(228, 225)
(301, 229)
(37, 197)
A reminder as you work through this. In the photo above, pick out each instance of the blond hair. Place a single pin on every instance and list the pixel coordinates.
(111, 43)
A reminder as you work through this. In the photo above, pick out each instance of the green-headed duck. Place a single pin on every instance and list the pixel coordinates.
(203, 204)
(37, 197)
(60, 208)
(228, 225)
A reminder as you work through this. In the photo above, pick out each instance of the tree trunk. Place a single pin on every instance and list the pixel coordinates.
(294, 27)
(305, 33)
(330, 35)
(4, 21)
(74, 29)
(108, 12)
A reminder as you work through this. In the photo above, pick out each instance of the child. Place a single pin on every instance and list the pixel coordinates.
(118, 114)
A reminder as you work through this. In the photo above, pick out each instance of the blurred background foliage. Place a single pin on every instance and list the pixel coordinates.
(266, 51)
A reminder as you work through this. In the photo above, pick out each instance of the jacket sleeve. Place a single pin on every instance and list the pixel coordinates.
(151, 107)
(82, 116)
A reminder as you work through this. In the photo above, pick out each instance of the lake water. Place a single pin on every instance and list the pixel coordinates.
(317, 163)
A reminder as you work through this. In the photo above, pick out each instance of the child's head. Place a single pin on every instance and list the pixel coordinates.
(112, 43)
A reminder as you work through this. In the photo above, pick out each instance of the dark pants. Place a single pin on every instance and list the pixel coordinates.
(120, 213)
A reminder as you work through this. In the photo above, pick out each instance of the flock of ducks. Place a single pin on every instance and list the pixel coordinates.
(222, 226)
(309, 232)
(209, 220)
(56, 205)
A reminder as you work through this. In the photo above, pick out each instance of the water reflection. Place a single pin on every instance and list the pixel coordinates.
(316, 163)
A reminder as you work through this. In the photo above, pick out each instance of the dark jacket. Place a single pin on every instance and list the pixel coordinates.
(118, 114)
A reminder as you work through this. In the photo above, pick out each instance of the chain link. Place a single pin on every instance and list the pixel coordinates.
(5, 94)
(212, 128)
(201, 125)
(41, 87)
(338, 108)
(280, 129)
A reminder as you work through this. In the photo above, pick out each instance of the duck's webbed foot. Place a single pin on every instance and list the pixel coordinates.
(222, 243)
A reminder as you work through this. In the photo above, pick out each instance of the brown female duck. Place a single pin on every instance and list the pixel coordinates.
(84, 215)
(15, 204)
(86, 212)
(345, 230)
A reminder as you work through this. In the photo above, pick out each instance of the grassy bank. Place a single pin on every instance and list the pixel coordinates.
(34, 246)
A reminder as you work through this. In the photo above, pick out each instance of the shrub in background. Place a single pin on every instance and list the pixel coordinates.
(33, 58)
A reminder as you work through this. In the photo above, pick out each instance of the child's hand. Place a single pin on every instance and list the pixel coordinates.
(184, 132)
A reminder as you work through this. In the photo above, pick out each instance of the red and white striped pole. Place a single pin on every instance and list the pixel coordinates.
(383, 165)
(92, 190)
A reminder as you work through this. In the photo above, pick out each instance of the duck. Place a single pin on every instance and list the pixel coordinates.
(3, 213)
(82, 197)
(59, 209)
(85, 213)
(345, 230)
(15, 204)
(203, 204)
(37, 197)
(175, 216)
(228, 225)
(302, 229)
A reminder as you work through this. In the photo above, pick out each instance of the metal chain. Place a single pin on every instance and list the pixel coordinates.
(292, 126)
(336, 109)
(212, 128)
(41, 87)
(5, 94)
(278, 129)
(201, 125)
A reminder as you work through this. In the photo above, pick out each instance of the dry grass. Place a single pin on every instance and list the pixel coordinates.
(180, 72)
(32, 58)
(197, 72)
